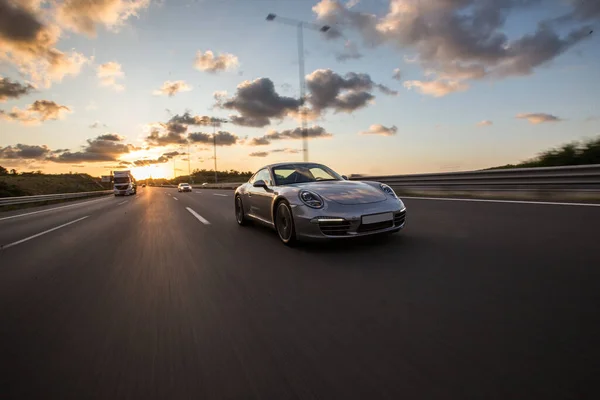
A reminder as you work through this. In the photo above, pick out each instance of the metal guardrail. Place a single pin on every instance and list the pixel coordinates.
(581, 177)
(9, 201)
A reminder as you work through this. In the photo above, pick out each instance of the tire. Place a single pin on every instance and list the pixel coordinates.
(284, 224)
(240, 217)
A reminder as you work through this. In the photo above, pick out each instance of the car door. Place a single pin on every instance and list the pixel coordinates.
(260, 198)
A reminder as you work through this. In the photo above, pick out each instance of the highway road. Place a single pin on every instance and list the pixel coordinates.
(126, 298)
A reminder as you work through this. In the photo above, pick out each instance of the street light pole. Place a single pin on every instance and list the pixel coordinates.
(302, 92)
(300, 25)
(189, 163)
(215, 147)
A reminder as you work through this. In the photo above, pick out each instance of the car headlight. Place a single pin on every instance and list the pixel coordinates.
(388, 190)
(311, 199)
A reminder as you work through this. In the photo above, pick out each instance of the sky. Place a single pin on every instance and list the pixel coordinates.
(392, 87)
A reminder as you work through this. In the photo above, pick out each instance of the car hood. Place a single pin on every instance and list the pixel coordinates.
(346, 192)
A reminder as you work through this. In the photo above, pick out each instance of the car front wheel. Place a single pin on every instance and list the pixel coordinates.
(284, 224)
(239, 211)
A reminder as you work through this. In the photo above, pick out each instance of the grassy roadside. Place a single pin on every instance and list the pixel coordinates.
(38, 184)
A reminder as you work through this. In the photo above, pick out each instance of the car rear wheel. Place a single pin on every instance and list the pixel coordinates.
(284, 224)
(239, 212)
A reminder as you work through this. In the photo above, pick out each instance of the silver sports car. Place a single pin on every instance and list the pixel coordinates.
(307, 200)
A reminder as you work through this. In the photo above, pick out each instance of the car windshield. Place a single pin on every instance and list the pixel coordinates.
(290, 174)
(121, 180)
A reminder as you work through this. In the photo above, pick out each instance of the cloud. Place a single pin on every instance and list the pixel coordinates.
(188, 119)
(82, 16)
(38, 111)
(437, 88)
(329, 90)
(97, 124)
(108, 73)
(378, 129)
(538, 118)
(145, 162)
(107, 147)
(174, 131)
(257, 102)
(208, 62)
(259, 154)
(28, 43)
(166, 137)
(223, 138)
(24, 152)
(286, 150)
(350, 52)
(461, 40)
(397, 74)
(113, 137)
(172, 154)
(314, 132)
(171, 88)
(485, 123)
(10, 89)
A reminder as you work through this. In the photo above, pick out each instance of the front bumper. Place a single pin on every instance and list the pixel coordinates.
(343, 221)
(123, 192)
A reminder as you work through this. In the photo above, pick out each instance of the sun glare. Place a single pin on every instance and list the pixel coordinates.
(150, 171)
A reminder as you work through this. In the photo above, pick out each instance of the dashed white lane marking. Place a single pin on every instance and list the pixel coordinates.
(198, 216)
(219, 194)
(175, 198)
(169, 194)
(503, 201)
(198, 192)
(123, 202)
(55, 208)
(42, 233)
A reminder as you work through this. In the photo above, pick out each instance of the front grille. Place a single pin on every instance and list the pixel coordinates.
(334, 228)
(399, 218)
(121, 187)
(375, 227)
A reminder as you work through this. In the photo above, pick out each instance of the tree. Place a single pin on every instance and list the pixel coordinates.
(13, 172)
(3, 171)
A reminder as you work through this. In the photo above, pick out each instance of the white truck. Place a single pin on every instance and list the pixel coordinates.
(124, 183)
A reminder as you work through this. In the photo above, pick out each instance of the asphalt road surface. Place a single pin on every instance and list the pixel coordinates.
(127, 298)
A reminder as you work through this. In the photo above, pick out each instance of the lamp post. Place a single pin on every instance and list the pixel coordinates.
(300, 25)
(189, 163)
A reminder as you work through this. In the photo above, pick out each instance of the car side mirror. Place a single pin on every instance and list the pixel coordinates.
(344, 177)
(260, 183)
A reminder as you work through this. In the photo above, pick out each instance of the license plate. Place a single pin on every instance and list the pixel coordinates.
(373, 219)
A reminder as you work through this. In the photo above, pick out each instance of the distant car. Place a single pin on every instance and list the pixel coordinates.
(184, 187)
(143, 185)
(309, 200)
(204, 184)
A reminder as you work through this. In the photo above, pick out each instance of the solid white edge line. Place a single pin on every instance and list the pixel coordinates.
(175, 198)
(219, 194)
(502, 201)
(123, 202)
(42, 233)
(55, 208)
(198, 216)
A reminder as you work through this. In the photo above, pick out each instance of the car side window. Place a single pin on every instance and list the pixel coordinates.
(264, 175)
(253, 178)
